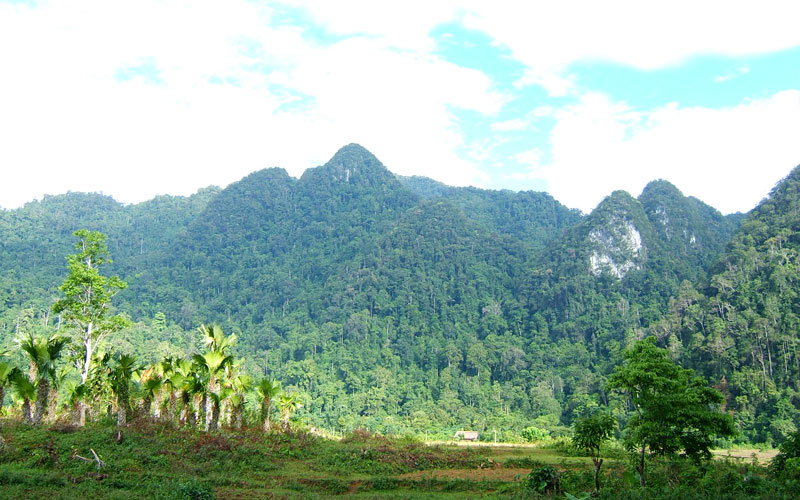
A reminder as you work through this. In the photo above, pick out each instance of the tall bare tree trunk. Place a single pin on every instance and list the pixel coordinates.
(76, 413)
(52, 404)
(122, 418)
(147, 404)
(641, 466)
(27, 417)
(237, 413)
(88, 349)
(265, 407)
(213, 423)
(185, 410)
(173, 402)
(42, 393)
(205, 410)
(598, 462)
(157, 409)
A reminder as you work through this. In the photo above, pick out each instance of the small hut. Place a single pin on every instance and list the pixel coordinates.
(467, 435)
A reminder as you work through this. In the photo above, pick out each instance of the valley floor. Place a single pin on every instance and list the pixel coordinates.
(159, 462)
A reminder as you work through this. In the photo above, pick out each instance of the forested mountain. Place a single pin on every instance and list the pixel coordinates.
(742, 328)
(35, 239)
(401, 303)
(534, 218)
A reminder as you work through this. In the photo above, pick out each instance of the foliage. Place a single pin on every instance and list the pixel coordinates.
(674, 410)
(533, 434)
(545, 479)
(591, 432)
(408, 307)
(789, 450)
(193, 490)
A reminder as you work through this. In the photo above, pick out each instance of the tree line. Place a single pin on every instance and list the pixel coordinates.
(204, 391)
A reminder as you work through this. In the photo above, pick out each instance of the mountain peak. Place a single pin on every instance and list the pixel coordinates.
(353, 153)
(352, 164)
(660, 187)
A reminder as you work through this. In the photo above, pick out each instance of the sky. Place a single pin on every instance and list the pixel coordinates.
(139, 98)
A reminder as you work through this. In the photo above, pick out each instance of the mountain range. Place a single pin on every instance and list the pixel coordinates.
(399, 303)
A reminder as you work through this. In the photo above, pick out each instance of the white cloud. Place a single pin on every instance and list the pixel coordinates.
(510, 125)
(404, 25)
(234, 93)
(549, 36)
(532, 158)
(229, 90)
(729, 158)
(733, 74)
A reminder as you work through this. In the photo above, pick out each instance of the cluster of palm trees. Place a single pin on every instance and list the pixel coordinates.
(206, 391)
(37, 390)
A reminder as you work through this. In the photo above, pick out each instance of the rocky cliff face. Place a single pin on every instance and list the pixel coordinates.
(616, 249)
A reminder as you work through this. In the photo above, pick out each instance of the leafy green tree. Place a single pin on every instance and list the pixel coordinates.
(589, 435)
(788, 450)
(532, 434)
(267, 389)
(674, 409)
(87, 299)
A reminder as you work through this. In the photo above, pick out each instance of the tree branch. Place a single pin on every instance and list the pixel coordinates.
(98, 461)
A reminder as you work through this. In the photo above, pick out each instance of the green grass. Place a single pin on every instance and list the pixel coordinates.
(162, 463)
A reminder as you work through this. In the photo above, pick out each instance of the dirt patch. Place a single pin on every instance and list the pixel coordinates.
(763, 456)
(495, 474)
(481, 444)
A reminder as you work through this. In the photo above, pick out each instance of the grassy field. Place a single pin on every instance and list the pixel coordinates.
(155, 461)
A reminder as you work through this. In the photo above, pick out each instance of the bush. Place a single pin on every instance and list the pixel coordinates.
(789, 449)
(544, 480)
(532, 434)
(192, 490)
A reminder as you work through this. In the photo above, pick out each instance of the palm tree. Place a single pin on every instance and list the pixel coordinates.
(24, 390)
(182, 382)
(121, 376)
(267, 388)
(288, 404)
(240, 384)
(151, 387)
(7, 372)
(213, 364)
(76, 394)
(52, 399)
(43, 352)
(173, 381)
(194, 388)
(215, 339)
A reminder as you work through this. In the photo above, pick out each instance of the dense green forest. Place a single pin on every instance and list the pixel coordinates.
(400, 304)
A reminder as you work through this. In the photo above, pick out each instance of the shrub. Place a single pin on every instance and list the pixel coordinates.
(544, 480)
(789, 449)
(192, 490)
(532, 434)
